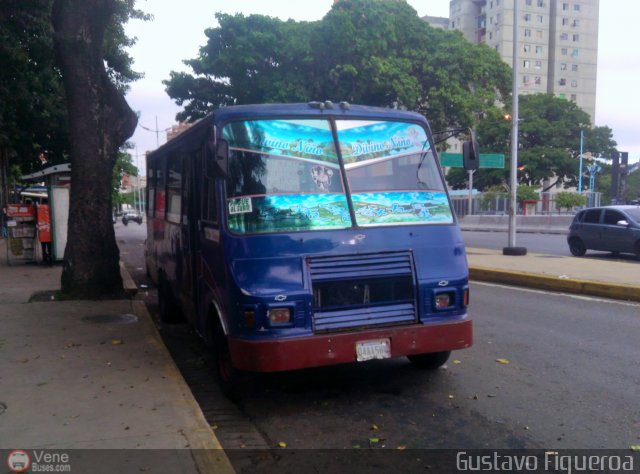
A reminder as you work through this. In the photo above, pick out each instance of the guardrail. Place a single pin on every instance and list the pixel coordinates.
(531, 224)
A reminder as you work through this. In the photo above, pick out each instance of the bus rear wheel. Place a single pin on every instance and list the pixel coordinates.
(429, 361)
(167, 307)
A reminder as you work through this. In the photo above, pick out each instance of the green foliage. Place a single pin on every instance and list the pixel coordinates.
(119, 62)
(33, 114)
(526, 193)
(124, 166)
(566, 200)
(32, 105)
(121, 199)
(633, 186)
(548, 139)
(490, 195)
(375, 52)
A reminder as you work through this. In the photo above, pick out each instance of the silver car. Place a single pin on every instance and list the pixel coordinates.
(610, 229)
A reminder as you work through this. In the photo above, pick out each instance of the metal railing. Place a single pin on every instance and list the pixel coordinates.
(498, 204)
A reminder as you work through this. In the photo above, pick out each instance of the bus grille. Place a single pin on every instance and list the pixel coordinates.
(361, 291)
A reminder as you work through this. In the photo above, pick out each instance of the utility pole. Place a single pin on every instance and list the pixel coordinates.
(470, 197)
(580, 174)
(511, 249)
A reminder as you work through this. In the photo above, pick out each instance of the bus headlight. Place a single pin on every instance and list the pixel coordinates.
(443, 300)
(279, 316)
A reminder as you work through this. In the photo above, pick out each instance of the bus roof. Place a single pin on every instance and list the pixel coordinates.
(198, 130)
(320, 109)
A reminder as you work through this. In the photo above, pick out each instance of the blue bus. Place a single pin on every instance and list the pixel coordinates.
(302, 235)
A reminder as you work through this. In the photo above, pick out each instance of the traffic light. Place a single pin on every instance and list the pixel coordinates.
(470, 155)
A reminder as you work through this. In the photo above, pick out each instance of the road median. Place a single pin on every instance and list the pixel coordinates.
(560, 284)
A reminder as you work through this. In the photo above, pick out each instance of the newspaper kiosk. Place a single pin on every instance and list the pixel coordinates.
(57, 180)
(21, 233)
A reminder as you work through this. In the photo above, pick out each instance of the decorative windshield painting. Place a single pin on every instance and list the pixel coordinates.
(257, 214)
(390, 208)
(284, 176)
(362, 141)
(306, 139)
(393, 175)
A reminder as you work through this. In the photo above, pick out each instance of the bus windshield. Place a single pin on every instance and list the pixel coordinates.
(286, 175)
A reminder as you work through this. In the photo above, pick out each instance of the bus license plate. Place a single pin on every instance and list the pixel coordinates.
(374, 349)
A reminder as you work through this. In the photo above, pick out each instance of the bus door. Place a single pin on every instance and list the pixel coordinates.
(211, 273)
(186, 266)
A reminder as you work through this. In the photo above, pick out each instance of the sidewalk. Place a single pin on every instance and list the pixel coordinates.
(602, 277)
(94, 375)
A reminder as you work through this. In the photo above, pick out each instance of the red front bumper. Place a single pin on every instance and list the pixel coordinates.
(329, 349)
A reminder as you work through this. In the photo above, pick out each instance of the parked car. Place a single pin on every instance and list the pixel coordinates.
(131, 216)
(608, 228)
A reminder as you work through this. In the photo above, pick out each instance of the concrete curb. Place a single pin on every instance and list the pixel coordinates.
(128, 284)
(555, 284)
(207, 451)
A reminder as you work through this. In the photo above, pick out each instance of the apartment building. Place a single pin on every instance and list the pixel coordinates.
(557, 42)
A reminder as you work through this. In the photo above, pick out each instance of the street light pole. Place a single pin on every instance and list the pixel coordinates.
(580, 175)
(513, 177)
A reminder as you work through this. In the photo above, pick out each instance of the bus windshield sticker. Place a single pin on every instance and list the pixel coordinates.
(305, 139)
(240, 205)
(282, 213)
(386, 208)
(365, 141)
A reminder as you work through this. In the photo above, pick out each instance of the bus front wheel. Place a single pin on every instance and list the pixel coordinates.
(429, 361)
(228, 375)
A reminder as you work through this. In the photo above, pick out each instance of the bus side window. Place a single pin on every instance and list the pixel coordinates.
(174, 189)
(186, 188)
(209, 209)
(151, 189)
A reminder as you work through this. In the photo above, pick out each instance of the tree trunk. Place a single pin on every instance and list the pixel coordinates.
(100, 121)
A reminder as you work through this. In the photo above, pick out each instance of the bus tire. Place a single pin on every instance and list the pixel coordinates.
(228, 376)
(430, 361)
(167, 307)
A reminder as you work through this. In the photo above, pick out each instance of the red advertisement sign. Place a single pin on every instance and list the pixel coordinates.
(44, 223)
(21, 210)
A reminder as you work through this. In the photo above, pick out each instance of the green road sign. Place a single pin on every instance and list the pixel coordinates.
(487, 160)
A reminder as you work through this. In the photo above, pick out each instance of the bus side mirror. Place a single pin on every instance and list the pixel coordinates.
(217, 159)
(222, 150)
(470, 156)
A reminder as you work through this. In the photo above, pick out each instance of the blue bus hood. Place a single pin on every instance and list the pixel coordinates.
(438, 254)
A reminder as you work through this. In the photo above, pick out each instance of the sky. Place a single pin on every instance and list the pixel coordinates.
(177, 33)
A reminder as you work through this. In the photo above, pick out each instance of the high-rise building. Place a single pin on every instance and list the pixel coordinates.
(557, 42)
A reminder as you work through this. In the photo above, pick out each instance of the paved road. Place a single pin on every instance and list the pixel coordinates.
(571, 381)
(553, 244)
